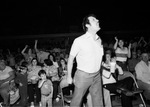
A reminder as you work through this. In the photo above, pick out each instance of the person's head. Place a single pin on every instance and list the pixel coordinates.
(30, 51)
(109, 54)
(66, 56)
(51, 57)
(34, 61)
(90, 22)
(139, 51)
(23, 67)
(145, 57)
(42, 74)
(48, 62)
(62, 61)
(121, 43)
(2, 64)
(134, 54)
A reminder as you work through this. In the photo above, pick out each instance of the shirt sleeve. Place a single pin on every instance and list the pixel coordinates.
(75, 48)
(119, 69)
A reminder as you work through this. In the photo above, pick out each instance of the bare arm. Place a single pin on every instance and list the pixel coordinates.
(69, 68)
(116, 43)
(129, 51)
(8, 51)
(119, 69)
(35, 46)
(140, 40)
(41, 83)
(23, 51)
(51, 91)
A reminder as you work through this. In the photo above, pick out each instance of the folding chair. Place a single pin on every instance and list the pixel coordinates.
(108, 95)
(129, 74)
(66, 98)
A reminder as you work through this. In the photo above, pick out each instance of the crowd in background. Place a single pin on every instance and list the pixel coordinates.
(27, 62)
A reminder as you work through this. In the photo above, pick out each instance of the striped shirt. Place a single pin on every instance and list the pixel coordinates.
(121, 55)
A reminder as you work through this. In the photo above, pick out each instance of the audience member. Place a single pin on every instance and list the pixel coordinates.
(122, 53)
(132, 62)
(142, 70)
(52, 58)
(46, 87)
(52, 73)
(29, 55)
(6, 76)
(33, 79)
(111, 83)
(21, 79)
(41, 53)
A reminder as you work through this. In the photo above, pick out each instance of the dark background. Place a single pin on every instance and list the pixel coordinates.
(62, 16)
(33, 19)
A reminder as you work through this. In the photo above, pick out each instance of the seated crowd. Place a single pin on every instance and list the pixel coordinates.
(28, 70)
(39, 75)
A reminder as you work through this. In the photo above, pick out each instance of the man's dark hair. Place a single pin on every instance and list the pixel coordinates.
(86, 21)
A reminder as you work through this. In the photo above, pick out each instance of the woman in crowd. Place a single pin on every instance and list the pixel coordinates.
(52, 58)
(29, 55)
(122, 53)
(111, 82)
(52, 73)
(63, 75)
(33, 79)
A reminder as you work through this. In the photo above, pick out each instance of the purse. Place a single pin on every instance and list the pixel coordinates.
(14, 96)
(13, 93)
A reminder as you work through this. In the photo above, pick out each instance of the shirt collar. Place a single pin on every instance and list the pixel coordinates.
(145, 63)
(88, 35)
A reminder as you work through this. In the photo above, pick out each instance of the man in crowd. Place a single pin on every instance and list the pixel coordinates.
(142, 70)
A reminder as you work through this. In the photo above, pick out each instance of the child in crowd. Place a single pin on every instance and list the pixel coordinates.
(46, 89)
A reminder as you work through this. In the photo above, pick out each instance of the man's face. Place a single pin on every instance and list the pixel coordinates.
(2, 65)
(145, 57)
(134, 55)
(94, 23)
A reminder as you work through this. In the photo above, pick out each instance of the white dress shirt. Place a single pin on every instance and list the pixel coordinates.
(143, 72)
(88, 53)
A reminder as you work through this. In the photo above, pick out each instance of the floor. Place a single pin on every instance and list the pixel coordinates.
(115, 102)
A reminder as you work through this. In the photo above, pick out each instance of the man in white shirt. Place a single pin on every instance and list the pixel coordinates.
(88, 51)
(142, 70)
